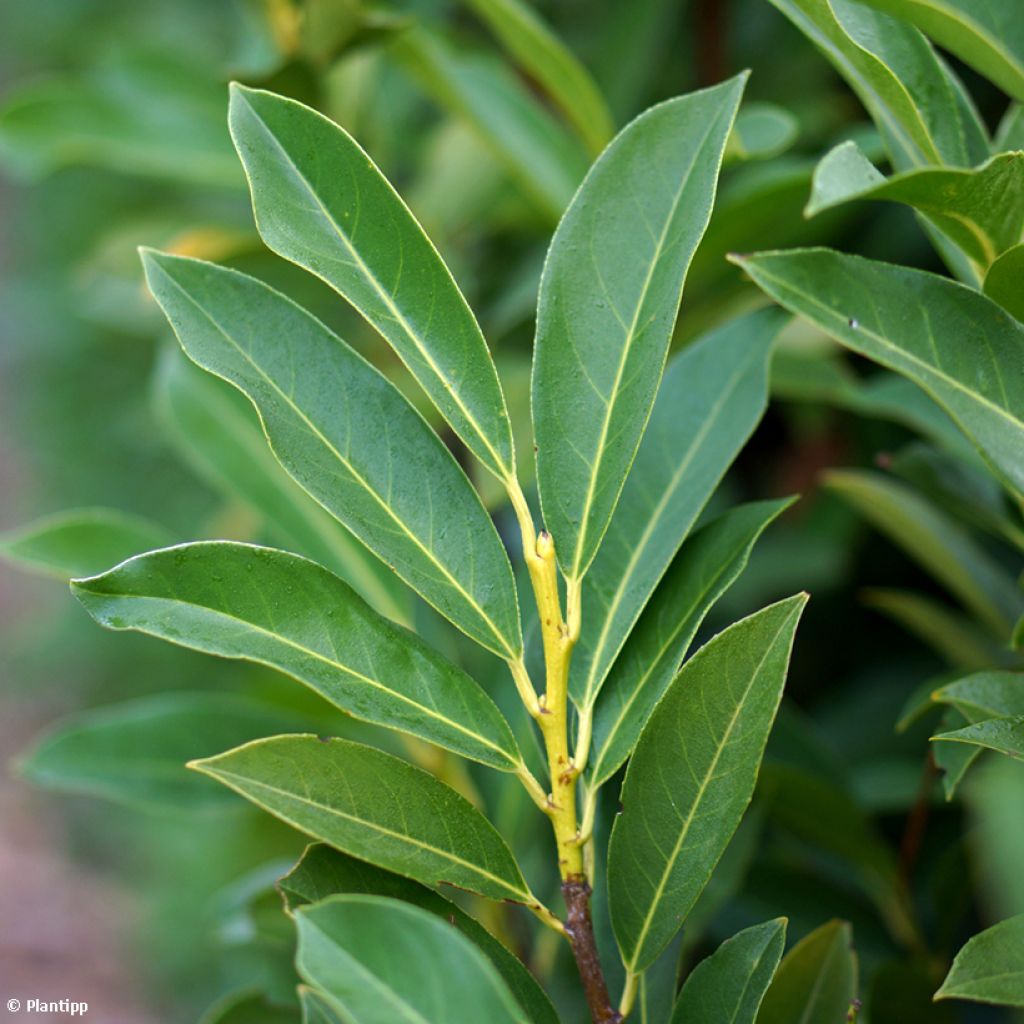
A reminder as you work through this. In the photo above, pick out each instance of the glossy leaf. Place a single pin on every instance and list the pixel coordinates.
(1005, 735)
(997, 838)
(135, 752)
(547, 59)
(692, 776)
(350, 439)
(964, 644)
(1010, 133)
(712, 396)
(323, 872)
(277, 609)
(155, 113)
(219, 434)
(1004, 282)
(817, 980)
(704, 569)
(375, 807)
(762, 130)
(954, 759)
(316, 1008)
(322, 203)
(921, 110)
(730, 984)
(248, 1008)
(543, 159)
(80, 541)
(985, 694)
(990, 967)
(380, 961)
(608, 300)
(961, 486)
(981, 210)
(954, 343)
(934, 540)
(989, 36)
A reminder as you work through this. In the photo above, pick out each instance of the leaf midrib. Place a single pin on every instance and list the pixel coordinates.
(702, 789)
(360, 480)
(302, 649)
(882, 106)
(504, 471)
(631, 334)
(239, 786)
(368, 977)
(961, 16)
(592, 685)
(653, 662)
(319, 521)
(891, 347)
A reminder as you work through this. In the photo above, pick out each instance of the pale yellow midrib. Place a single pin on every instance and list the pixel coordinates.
(525, 895)
(281, 638)
(701, 790)
(976, 396)
(317, 520)
(370, 979)
(356, 475)
(638, 548)
(624, 357)
(651, 667)
(449, 388)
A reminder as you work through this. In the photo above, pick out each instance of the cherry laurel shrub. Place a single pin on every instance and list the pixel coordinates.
(626, 459)
(642, 769)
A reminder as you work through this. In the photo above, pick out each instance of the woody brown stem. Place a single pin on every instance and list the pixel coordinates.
(580, 930)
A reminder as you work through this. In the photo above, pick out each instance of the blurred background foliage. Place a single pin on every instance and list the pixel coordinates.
(113, 134)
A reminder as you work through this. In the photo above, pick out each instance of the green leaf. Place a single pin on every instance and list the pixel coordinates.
(380, 961)
(549, 61)
(985, 694)
(957, 638)
(541, 157)
(1010, 133)
(963, 487)
(762, 130)
(989, 35)
(248, 1008)
(219, 435)
(817, 980)
(921, 110)
(954, 759)
(1005, 735)
(316, 1009)
(322, 203)
(990, 967)
(1003, 282)
(711, 398)
(936, 542)
(149, 112)
(350, 439)
(954, 343)
(375, 807)
(730, 984)
(277, 609)
(322, 872)
(135, 752)
(997, 838)
(608, 300)
(692, 776)
(981, 210)
(704, 569)
(80, 541)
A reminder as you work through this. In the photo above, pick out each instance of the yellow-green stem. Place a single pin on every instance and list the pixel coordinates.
(629, 991)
